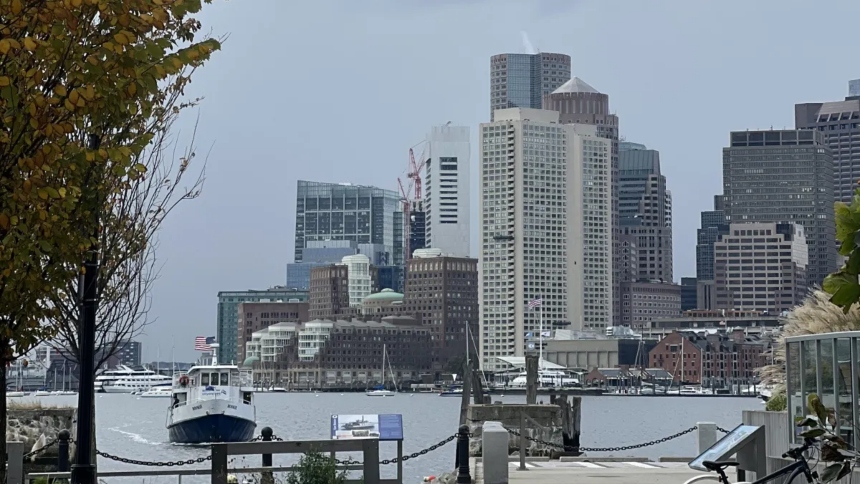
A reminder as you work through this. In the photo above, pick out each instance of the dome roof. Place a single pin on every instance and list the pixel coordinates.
(249, 361)
(385, 295)
(575, 85)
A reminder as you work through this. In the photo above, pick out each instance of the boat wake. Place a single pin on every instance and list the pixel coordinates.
(135, 437)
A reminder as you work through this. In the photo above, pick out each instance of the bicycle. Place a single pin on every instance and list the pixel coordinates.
(800, 467)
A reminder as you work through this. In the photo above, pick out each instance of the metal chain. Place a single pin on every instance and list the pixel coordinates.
(405, 458)
(136, 462)
(40, 450)
(605, 449)
(723, 430)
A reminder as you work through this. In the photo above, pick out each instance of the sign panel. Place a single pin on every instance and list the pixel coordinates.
(725, 447)
(382, 427)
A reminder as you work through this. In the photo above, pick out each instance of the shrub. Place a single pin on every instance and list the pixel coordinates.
(316, 468)
(777, 402)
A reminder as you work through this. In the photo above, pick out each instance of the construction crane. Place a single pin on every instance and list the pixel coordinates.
(410, 192)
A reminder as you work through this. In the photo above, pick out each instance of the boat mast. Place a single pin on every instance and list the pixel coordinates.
(383, 366)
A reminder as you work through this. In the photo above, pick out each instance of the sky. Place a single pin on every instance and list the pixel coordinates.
(339, 90)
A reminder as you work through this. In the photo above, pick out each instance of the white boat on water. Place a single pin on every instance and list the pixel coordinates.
(16, 394)
(380, 391)
(43, 393)
(212, 403)
(125, 379)
(547, 378)
(157, 392)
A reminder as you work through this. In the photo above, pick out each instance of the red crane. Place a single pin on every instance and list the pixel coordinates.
(410, 193)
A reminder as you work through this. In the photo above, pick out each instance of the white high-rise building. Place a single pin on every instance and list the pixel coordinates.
(545, 220)
(446, 190)
(359, 280)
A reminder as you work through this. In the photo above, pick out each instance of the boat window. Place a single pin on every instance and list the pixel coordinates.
(225, 379)
(214, 378)
(204, 379)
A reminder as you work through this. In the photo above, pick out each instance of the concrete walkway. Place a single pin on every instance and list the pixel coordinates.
(615, 472)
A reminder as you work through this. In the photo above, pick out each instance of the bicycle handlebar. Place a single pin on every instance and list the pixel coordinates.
(797, 452)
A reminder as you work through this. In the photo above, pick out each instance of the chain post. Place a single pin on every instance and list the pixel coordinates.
(63, 451)
(267, 477)
(463, 472)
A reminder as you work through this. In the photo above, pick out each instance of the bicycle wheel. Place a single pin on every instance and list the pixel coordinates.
(703, 478)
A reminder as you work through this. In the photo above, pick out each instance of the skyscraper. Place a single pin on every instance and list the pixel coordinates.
(645, 210)
(784, 176)
(521, 80)
(839, 121)
(578, 102)
(713, 225)
(446, 190)
(545, 229)
(341, 211)
(854, 88)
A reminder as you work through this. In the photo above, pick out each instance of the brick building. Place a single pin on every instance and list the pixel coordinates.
(712, 359)
(442, 293)
(325, 353)
(328, 293)
(254, 316)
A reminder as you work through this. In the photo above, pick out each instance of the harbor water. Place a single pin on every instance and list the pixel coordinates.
(134, 427)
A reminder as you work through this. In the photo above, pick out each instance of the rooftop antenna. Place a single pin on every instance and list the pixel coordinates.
(530, 49)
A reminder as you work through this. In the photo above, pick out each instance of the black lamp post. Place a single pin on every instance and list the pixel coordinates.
(84, 469)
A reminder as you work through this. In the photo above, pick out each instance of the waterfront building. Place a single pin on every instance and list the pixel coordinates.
(839, 122)
(341, 211)
(589, 354)
(390, 277)
(699, 319)
(128, 352)
(359, 281)
(383, 303)
(712, 359)
(441, 292)
(545, 219)
(255, 316)
(761, 267)
(447, 191)
(784, 176)
(645, 210)
(521, 80)
(228, 314)
(342, 353)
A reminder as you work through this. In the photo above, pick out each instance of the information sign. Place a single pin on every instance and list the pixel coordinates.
(725, 447)
(383, 427)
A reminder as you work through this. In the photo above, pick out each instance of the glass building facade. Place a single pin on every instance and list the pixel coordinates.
(521, 80)
(332, 211)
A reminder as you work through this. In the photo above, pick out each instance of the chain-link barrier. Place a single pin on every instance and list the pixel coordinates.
(723, 430)
(176, 463)
(405, 458)
(41, 449)
(571, 448)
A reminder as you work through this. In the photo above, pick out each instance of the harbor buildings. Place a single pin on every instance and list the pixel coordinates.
(577, 102)
(545, 225)
(446, 191)
(521, 80)
(713, 224)
(839, 122)
(761, 267)
(784, 176)
(254, 316)
(228, 314)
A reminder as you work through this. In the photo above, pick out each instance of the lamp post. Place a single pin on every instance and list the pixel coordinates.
(83, 470)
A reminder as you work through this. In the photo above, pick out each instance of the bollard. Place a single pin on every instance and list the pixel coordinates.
(494, 449)
(707, 435)
(463, 472)
(63, 451)
(267, 477)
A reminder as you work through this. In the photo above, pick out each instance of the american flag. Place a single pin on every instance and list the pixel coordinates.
(535, 303)
(201, 343)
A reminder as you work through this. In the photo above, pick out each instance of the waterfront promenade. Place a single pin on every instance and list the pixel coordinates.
(597, 471)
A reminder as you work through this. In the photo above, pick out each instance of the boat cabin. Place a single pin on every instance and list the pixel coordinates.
(211, 382)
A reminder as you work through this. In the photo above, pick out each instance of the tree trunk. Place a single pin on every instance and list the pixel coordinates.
(3, 410)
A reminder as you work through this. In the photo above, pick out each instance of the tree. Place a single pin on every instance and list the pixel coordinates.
(71, 69)
(843, 285)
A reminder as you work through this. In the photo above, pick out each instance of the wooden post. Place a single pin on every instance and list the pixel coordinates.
(571, 414)
(522, 440)
(400, 462)
(477, 388)
(531, 379)
(467, 388)
(219, 463)
(15, 462)
(370, 461)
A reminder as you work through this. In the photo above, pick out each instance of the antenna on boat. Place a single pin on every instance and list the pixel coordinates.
(214, 347)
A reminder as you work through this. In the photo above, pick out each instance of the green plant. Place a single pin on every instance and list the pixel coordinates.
(777, 402)
(824, 426)
(316, 468)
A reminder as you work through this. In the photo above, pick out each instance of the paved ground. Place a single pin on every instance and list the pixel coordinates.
(555, 472)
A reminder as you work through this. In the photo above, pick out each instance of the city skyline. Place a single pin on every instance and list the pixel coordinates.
(201, 257)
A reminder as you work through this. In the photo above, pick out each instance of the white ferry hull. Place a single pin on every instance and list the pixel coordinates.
(211, 420)
(381, 393)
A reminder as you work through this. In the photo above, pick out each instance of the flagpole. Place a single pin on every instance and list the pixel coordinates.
(540, 338)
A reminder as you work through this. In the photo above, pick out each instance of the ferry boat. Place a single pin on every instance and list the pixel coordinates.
(211, 403)
(125, 379)
(547, 378)
(158, 392)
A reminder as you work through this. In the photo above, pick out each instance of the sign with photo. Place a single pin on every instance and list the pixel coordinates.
(382, 427)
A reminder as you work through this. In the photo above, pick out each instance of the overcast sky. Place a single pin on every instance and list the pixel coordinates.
(337, 91)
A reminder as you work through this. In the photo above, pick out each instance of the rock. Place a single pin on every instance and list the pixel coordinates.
(447, 478)
(36, 425)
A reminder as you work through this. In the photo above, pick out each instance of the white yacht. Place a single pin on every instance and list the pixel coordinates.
(212, 403)
(158, 392)
(125, 379)
(547, 378)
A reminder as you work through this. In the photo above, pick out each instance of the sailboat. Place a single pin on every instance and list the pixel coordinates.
(380, 391)
(66, 377)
